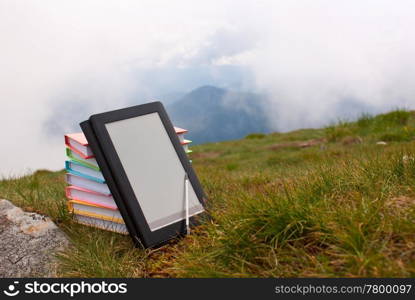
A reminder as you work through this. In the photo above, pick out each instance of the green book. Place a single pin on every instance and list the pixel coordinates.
(89, 162)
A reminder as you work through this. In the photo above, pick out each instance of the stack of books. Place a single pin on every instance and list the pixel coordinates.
(89, 198)
(185, 143)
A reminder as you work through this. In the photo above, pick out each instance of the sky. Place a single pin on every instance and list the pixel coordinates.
(317, 60)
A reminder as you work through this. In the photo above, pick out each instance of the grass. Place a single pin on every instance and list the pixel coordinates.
(332, 209)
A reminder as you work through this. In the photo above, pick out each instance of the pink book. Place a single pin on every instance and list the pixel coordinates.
(88, 196)
(77, 143)
(180, 130)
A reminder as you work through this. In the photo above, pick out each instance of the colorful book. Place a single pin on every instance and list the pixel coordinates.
(78, 143)
(95, 211)
(101, 224)
(82, 170)
(185, 143)
(180, 130)
(88, 184)
(91, 197)
(180, 133)
(90, 162)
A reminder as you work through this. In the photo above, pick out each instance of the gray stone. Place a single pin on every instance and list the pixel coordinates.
(28, 243)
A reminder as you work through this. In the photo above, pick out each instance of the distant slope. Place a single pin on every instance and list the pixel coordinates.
(213, 114)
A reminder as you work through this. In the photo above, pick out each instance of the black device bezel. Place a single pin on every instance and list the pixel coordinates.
(119, 178)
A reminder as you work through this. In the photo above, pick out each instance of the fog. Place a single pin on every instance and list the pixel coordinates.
(316, 60)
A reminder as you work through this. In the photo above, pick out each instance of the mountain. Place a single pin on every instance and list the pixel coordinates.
(214, 114)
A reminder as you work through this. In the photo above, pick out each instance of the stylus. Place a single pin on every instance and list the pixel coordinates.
(186, 191)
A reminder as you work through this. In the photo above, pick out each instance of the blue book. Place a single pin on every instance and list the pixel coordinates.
(82, 170)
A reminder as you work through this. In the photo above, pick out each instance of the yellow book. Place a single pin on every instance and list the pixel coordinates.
(96, 216)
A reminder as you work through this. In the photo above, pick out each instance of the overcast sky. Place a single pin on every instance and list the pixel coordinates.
(309, 56)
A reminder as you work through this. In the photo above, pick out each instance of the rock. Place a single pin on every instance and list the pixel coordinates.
(28, 243)
(312, 142)
(351, 140)
(381, 143)
(298, 144)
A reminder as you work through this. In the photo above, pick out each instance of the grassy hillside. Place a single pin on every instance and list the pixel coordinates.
(327, 202)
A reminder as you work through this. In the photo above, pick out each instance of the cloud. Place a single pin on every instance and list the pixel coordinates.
(316, 60)
(314, 55)
(66, 57)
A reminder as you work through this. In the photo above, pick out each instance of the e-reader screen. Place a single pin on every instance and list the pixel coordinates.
(154, 169)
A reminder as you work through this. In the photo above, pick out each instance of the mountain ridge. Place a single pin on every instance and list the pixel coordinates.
(213, 114)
